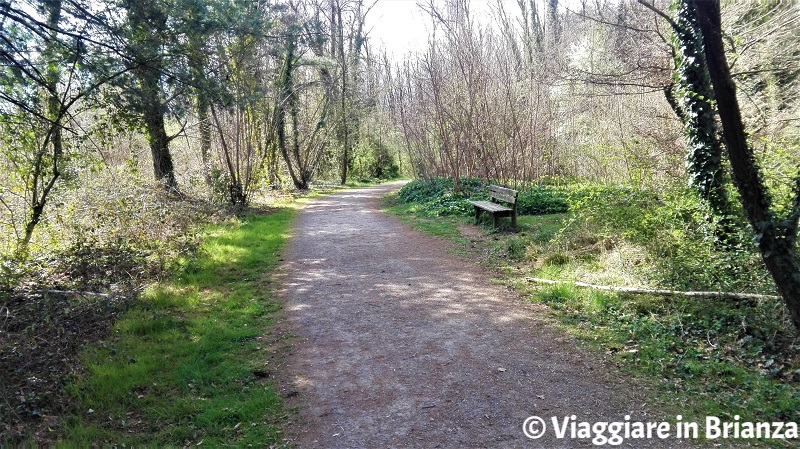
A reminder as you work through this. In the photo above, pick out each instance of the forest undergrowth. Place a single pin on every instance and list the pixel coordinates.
(717, 357)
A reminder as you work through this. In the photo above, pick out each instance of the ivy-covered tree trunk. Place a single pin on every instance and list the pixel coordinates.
(288, 102)
(776, 234)
(695, 107)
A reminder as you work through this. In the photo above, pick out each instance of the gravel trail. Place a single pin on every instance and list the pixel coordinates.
(403, 344)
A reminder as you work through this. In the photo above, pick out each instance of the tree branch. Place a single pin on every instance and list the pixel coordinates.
(663, 15)
(647, 291)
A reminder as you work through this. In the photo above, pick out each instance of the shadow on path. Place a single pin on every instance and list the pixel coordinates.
(405, 345)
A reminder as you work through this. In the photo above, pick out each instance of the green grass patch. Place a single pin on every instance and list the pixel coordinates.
(182, 366)
(419, 220)
(541, 228)
(367, 181)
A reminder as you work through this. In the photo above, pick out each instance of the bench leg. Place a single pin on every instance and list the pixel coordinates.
(494, 218)
(514, 219)
(477, 214)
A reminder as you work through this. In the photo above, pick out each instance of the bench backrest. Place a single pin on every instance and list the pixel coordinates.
(503, 194)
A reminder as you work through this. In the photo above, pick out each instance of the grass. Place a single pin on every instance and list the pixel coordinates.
(367, 182)
(688, 346)
(324, 186)
(188, 364)
(703, 357)
(410, 214)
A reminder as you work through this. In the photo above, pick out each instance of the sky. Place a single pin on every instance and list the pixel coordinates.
(402, 27)
(397, 25)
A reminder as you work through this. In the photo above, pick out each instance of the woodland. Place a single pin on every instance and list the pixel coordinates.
(665, 134)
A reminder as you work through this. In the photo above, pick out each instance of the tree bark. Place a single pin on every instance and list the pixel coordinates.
(205, 138)
(149, 68)
(42, 184)
(344, 115)
(287, 100)
(153, 111)
(777, 238)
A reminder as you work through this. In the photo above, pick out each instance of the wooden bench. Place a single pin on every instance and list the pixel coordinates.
(494, 207)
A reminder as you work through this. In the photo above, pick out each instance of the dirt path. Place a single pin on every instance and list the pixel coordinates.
(406, 345)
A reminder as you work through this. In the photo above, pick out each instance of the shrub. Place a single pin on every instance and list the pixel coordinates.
(373, 158)
(540, 200)
(437, 198)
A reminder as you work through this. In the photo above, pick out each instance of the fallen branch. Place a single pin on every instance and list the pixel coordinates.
(645, 291)
(8, 315)
(72, 293)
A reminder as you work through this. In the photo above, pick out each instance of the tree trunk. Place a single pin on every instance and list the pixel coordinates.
(303, 168)
(197, 55)
(148, 60)
(283, 144)
(154, 112)
(777, 238)
(42, 183)
(344, 115)
(205, 137)
(784, 266)
(697, 111)
(163, 169)
(287, 100)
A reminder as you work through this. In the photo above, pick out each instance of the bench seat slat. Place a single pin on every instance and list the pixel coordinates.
(490, 206)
